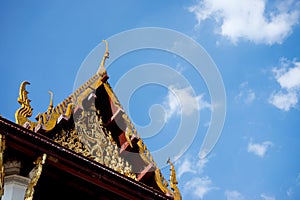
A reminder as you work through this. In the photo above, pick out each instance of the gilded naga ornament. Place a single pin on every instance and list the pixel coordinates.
(173, 181)
(46, 120)
(25, 110)
(37, 171)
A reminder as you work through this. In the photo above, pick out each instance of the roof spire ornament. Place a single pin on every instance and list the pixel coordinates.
(50, 107)
(25, 110)
(173, 181)
(101, 69)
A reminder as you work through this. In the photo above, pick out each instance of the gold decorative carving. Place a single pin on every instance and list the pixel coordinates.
(25, 110)
(48, 119)
(36, 173)
(89, 138)
(173, 181)
(70, 140)
(102, 69)
(69, 109)
(2, 148)
(162, 182)
(50, 107)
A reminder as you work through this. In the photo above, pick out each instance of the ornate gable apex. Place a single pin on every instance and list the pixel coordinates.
(92, 122)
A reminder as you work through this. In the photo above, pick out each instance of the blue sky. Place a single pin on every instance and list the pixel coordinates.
(253, 43)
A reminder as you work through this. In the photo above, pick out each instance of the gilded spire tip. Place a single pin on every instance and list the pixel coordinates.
(102, 69)
(50, 107)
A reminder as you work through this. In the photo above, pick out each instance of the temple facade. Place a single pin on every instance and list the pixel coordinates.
(86, 147)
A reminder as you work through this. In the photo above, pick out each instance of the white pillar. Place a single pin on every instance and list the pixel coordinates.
(15, 187)
(14, 184)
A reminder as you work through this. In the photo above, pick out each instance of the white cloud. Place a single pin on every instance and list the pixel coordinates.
(201, 164)
(233, 195)
(249, 19)
(199, 186)
(246, 95)
(284, 101)
(185, 167)
(259, 149)
(194, 165)
(183, 101)
(288, 77)
(266, 197)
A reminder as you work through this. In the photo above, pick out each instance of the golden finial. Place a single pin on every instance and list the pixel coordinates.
(50, 107)
(102, 69)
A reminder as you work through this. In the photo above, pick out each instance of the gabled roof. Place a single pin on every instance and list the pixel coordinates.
(94, 128)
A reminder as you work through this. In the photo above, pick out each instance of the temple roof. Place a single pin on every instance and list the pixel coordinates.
(66, 169)
(91, 127)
